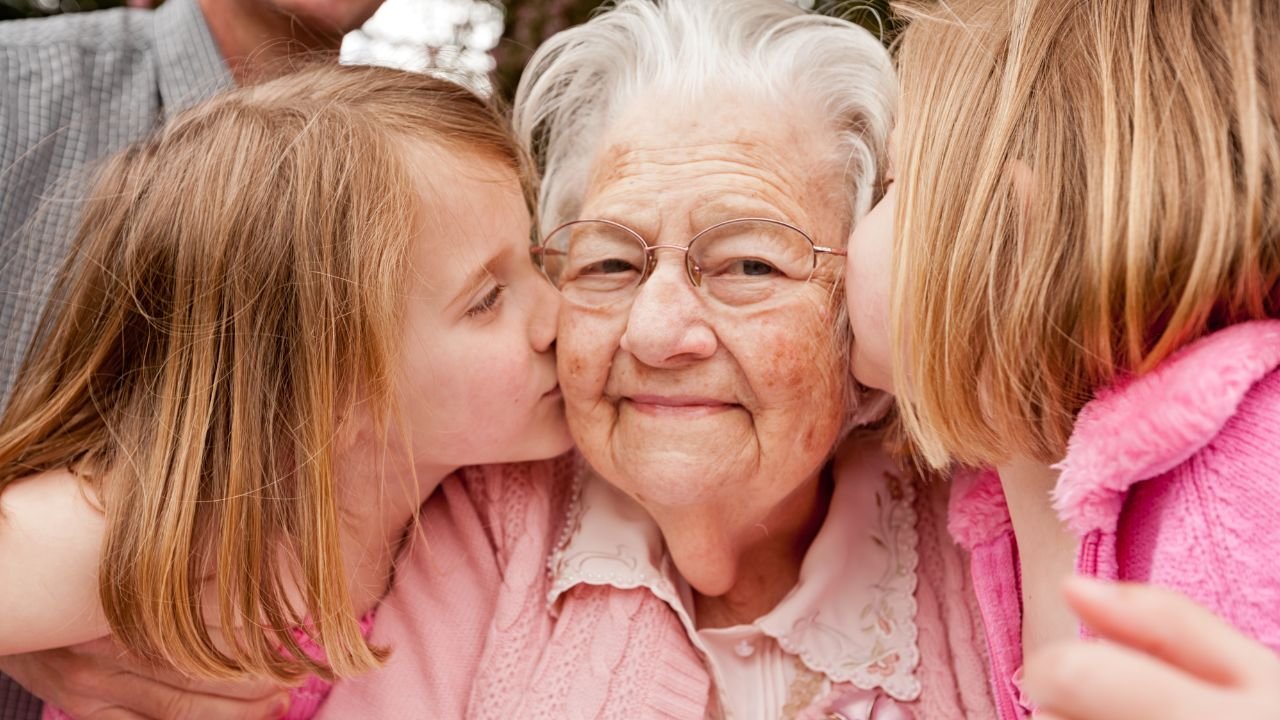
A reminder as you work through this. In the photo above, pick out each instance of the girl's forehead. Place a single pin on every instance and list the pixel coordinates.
(473, 216)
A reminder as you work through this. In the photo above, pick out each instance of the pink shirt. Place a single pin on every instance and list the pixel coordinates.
(848, 624)
(1169, 478)
(473, 634)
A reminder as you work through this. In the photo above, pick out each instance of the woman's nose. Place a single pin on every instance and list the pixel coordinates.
(667, 326)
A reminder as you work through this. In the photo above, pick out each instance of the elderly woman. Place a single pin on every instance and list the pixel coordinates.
(703, 163)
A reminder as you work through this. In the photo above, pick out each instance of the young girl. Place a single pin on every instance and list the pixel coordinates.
(289, 315)
(1084, 280)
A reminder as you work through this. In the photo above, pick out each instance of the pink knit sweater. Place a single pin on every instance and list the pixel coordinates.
(1169, 478)
(472, 636)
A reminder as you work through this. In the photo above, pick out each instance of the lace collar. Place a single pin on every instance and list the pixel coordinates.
(850, 617)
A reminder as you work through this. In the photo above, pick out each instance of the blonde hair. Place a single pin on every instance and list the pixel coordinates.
(1084, 188)
(235, 279)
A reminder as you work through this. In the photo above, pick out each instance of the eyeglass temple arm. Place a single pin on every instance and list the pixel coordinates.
(831, 251)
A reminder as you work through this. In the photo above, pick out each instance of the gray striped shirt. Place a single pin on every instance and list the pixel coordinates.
(75, 89)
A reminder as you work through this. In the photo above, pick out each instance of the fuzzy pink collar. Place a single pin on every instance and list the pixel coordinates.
(1134, 431)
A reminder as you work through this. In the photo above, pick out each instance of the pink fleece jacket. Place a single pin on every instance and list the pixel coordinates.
(472, 636)
(1169, 478)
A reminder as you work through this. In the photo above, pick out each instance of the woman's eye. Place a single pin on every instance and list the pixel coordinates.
(488, 302)
(751, 267)
(608, 267)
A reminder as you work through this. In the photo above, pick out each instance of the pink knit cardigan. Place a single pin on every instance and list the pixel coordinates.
(1171, 478)
(472, 636)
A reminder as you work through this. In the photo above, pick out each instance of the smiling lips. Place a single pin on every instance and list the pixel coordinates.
(677, 405)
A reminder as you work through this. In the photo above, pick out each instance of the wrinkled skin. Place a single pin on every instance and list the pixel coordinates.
(715, 419)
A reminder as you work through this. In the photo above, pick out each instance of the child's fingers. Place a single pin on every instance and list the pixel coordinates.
(1082, 680)
(115, 714)
(96, 681)
(105, 653)
(150, 698)
(243, 690)
(1169, 627)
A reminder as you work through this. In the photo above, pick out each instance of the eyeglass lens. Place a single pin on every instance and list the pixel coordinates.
(595, 262)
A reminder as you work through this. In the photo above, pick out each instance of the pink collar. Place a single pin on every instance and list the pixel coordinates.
(850, 618)
(1133, 431)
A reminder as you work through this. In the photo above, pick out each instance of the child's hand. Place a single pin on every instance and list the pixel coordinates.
(97, 681)
(1163, 657)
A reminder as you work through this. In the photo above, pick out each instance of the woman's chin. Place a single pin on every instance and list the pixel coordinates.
(675, 478)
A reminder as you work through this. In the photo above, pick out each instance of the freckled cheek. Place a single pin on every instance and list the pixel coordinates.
(585, 349)
(794, 369)
(790, 355)
(584, 352)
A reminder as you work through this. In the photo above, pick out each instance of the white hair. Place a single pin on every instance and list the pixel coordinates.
(583, 77)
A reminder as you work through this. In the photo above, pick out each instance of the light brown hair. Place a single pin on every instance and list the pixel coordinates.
(1084, 188)
(235, 279)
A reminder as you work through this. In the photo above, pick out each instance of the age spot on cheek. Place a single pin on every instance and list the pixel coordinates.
(792, 362)
(809, 437)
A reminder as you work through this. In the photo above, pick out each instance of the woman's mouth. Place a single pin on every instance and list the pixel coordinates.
(685, 405)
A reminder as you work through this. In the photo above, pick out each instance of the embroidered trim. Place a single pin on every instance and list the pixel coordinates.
(567, 570)
(883, 656)
(891, 661)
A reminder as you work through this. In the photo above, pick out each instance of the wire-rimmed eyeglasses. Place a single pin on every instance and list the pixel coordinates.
(737, 262)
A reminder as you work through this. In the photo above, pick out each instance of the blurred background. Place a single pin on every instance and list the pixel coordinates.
(483, 43)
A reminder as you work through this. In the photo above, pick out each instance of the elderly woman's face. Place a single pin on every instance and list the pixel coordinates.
(673, 397)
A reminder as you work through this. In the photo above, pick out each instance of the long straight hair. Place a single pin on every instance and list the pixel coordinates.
(235, 281)
(1084, 188)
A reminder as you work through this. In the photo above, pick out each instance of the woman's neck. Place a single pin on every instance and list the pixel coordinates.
(767, 564)
(1046, 551)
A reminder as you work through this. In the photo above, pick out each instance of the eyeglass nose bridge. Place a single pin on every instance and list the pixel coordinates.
(691, 268)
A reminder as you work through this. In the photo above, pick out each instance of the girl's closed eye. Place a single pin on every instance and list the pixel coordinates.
(488, 302)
